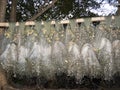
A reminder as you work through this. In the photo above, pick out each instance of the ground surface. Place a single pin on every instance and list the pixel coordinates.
(63, 82)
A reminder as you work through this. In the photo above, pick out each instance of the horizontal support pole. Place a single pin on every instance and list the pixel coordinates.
(4, 24)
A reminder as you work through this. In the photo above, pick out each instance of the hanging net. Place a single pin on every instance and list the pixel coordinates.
(76, 49)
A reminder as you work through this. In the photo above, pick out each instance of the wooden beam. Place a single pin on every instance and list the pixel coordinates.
(4, 24)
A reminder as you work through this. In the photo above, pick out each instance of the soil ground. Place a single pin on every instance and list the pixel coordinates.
(63, 82)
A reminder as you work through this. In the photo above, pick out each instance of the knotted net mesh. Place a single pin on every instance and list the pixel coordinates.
(77, 49)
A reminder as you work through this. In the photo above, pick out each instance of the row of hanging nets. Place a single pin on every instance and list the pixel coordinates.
(77, 49)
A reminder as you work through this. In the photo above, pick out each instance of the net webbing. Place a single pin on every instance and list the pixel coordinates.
(77, 49)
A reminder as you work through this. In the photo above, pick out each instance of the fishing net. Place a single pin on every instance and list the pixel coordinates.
(76, 49)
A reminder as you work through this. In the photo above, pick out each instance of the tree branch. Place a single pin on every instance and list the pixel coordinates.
(42, 10)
